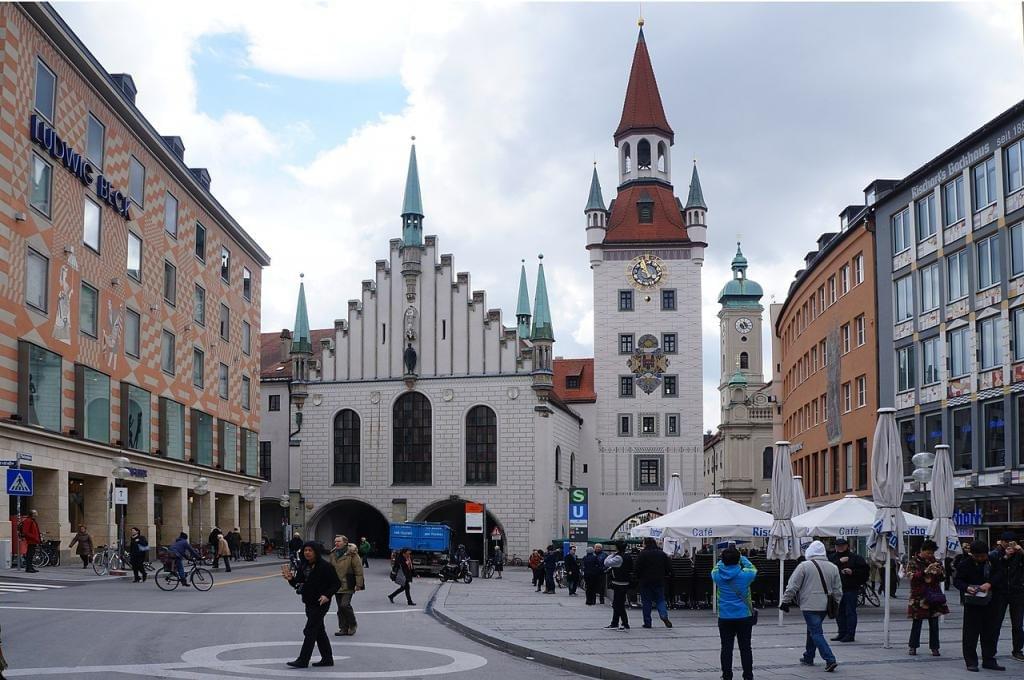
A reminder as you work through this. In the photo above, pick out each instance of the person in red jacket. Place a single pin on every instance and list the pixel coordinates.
(30, 532)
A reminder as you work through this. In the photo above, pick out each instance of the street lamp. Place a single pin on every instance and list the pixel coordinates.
(120, 473)
(201, 489)
(766, 502)
(250, 496)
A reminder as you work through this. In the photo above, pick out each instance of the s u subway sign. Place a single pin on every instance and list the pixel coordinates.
(579, 514)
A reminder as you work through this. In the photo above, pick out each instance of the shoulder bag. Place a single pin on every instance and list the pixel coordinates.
(831, 606)
(746, 599)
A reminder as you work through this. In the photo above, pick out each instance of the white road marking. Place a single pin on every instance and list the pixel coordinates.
(13, 590)
(184, 613)
(246, 669)
(29, 586)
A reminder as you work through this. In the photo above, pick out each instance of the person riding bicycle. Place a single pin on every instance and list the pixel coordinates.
(182, 550)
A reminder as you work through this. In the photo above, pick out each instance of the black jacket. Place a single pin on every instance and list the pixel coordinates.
(137, 548)
(1000, 571)
(551, 559)
(212, 540)
(407, 570)
(857, 564)
(971, 573)
(1015, 575)
(591, 565)
(295, 544)
(316, 579)
(653, 566)
(572, 565)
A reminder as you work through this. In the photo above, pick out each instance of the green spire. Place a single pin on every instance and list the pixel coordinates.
(696, 197)
(596, 201)
(542, 329)
(301, 341)
(523, 308)
(412, 204)
(739, 262)
(740, 291)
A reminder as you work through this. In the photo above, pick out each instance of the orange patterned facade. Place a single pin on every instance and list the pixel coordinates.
(71, 291)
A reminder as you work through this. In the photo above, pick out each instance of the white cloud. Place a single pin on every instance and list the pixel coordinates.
(791, 109)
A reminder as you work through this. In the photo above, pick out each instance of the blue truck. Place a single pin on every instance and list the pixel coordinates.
(430, 543)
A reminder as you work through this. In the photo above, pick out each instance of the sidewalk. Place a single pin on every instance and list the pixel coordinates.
(71, 570)
(562, 631)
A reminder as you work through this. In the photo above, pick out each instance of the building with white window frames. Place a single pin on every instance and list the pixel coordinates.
(955, 371)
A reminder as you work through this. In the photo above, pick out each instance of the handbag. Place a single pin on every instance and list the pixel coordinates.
(831, 606)
(750, 605)
(980, 599)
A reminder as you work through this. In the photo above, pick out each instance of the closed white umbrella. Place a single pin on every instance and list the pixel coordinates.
(799, 499)
(887, 535)
(674, 502)
(783, 543)
(942, 530)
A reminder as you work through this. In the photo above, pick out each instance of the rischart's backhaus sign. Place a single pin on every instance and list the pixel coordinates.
(47, 138)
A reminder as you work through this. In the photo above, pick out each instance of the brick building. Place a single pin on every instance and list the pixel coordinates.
(129, 304)
(827, 361)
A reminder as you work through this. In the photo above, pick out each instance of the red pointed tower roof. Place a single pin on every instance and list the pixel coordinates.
(642, 109)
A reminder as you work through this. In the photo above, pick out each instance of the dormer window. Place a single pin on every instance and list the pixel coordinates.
(645, 209)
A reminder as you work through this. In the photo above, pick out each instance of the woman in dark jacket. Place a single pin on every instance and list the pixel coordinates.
(138, 548)
(84, 541)
(927, 601)
(402, 573)
(317, 582)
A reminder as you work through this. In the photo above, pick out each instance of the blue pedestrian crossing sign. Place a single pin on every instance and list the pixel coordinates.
(19, 482)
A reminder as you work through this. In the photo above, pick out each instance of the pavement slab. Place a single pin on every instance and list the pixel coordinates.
(563, 631)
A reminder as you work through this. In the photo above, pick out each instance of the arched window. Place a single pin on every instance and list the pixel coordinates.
(481, 446)
(346, 447)
(411, 445)
(572, 469)
(744, 360)
(627, 162)
(662, 157)
(643, 155)
(558, 464)
(767, 462)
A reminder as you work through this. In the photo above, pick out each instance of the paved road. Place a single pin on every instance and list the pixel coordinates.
(246, 627)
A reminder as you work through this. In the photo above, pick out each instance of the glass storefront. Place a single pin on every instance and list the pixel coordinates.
(202, 438)
(76, 502)
(172, 429)
(137, 406)
(228, 446)
(44, 386)
(92, 404)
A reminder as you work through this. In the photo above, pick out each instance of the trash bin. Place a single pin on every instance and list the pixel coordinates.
(474, 568)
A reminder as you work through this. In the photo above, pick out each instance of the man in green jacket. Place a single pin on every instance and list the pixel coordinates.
(345, 560)
(364, 550)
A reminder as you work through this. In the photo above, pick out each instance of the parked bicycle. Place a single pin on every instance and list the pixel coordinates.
(488, 571)
(198, 577)
(249, 551)
(47, 554)
(867, 595)
(106, 559)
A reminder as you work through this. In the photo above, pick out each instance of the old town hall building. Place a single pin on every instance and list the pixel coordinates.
(420, 399)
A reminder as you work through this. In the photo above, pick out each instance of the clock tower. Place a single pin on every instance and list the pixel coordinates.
(739, 467)
(646, 253)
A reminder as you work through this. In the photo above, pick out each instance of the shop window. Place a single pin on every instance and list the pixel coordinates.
(135, 428)
(227, 437)
(92, 404)
(202, 438)
(172, 429)
(39, 386)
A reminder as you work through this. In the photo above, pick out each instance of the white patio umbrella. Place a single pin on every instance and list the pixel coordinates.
(674, 501)
(783, 543)
(942, 530)
(711, 517)
(887, 535)
(850, 516)
(800, 500)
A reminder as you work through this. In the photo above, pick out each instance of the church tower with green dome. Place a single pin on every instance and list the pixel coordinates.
(746, 421)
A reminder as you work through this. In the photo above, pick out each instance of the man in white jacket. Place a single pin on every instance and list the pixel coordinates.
(813, 582)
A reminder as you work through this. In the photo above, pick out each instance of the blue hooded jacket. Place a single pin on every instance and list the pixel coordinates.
(733, 582)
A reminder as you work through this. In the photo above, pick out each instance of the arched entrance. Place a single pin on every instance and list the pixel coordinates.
(352, 518)
(622, 531)
(453, 513)
(273, 519)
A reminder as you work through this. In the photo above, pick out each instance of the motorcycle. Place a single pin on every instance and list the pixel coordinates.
(455, 571)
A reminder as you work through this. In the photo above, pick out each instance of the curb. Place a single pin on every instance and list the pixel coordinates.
(520, 648)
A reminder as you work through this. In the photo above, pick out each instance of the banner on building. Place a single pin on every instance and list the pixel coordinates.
(579, 514)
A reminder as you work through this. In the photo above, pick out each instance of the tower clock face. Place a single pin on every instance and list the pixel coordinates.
(744, 325)
(646, 271)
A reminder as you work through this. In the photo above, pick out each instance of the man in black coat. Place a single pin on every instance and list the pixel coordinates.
(572, 570)
(317, 582)
(854, 572)
(550, 567)
(593, 576)
(1008, 589)
(214, 542)
(975, 577)
(652, 568)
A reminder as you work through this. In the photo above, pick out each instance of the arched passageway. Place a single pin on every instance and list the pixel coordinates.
(453, 513)
(352, 518)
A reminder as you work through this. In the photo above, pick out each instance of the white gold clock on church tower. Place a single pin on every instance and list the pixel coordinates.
(646, 251)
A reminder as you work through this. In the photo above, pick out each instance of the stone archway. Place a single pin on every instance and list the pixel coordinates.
(273, 520)
(453, 513)
(352, 518)
(622, 531)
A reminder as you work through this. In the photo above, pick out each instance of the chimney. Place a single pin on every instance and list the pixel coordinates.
(124, 82)
(202, 176)
(286, 345)
(176, 146)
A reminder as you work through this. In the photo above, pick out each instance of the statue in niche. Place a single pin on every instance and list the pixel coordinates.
(410, 323)
(110, 338)
(62, 320)
(410, 359)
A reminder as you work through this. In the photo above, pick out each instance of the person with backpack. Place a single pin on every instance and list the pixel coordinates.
(345, 560)
(736, 614)
(854, 572)
(618, 568)
(816, 587)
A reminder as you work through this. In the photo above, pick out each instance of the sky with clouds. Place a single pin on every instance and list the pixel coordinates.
(303, 112)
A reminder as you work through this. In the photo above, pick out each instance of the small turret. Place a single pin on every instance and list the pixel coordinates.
(523, 307)
(597, 216)
(696, 210)
(412, 227)
(543, 337)
(302, 346)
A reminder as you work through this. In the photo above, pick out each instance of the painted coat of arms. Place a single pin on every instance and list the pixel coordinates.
(648, 363)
